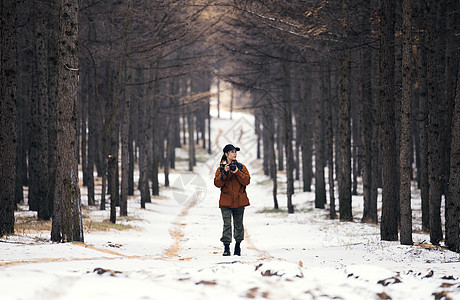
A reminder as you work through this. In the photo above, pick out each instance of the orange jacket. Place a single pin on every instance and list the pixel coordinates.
(232, 186)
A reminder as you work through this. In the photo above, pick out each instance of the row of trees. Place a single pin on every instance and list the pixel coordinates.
(373, 88)
(137, 75)
(54, 82)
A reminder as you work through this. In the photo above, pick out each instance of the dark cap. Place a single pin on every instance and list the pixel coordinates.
(230, 147)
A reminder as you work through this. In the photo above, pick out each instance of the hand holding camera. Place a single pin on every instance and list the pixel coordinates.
(231, 167)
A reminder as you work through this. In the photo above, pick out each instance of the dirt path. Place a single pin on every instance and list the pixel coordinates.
(177, 233)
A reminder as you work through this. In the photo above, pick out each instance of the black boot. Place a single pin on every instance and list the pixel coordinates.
(237, 249)
(226, 250)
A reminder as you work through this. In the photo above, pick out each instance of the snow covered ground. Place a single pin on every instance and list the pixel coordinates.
(174, 251)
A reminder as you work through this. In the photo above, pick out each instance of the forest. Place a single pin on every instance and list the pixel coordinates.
(348, 96)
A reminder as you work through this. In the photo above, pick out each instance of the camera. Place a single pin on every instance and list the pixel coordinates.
(232, 166)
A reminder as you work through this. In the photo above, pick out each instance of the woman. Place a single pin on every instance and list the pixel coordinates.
(232, 178)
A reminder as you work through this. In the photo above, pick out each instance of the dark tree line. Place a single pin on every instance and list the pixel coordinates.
(38, 112)
(372, 88)
(104, 86)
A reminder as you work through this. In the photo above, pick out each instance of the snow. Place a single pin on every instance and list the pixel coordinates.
(174, 250)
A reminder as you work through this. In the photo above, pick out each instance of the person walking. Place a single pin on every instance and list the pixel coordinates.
(232, 178)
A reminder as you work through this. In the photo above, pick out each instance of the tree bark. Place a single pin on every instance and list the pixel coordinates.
(453, 202)
(435, 116)
(125, 157)
(269, 128)
(368, 114)
(319, 99)
(67, 218)
(8, 114)
(38, 151)
(390, 201)
(345, 208)
(330, 143)
(422, 116)
(143, 149)
(288, 134)
(406, 130)
(112, 162)
(155, 134)
(306, 126)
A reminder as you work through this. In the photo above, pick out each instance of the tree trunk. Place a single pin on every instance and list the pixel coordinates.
(143, 173)
(453, 202)
(288, 134)
(92, 134)
(67, 218)
(367, 123)
(406, 130)
(83, 130)
(8, 128)
(38, 155)
(435, 117)
(269, 128)
(191, 130)
(319, 99)
(154, 121)
(306, 126)
(330, 143)
(112, 162)
(131, 150)
(53, 67)
(390, 194)
(126, 111)
(280, 138)
(422, 117)
(345, 208)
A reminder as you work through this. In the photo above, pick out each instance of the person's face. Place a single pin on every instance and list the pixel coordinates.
(231, 155)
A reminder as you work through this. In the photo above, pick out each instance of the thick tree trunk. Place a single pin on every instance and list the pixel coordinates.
(435, 117)
(422, 117)
(367, 123)
(406, 130)
(453, 199)
(453, 190)
(390, 194)
(67, 218)
(38, 155)
(345, 208)
(8, 128)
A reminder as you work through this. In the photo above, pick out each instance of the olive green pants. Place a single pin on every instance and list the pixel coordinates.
(238, 229)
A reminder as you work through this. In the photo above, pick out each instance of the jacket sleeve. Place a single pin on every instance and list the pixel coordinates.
(219, 179)
(243, 176)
